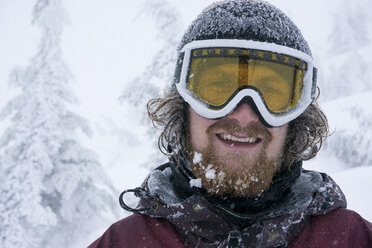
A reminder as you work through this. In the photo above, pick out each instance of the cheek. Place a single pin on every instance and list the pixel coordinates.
(198, 130)
(279, 136)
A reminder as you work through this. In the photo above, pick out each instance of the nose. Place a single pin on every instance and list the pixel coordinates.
(244, 114)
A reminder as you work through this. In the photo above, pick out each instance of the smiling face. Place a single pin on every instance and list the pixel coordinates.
(239, 155)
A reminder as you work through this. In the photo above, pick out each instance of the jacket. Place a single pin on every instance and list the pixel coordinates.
(341, 228)
(311, 214)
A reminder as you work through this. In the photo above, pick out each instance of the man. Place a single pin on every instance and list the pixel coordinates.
(238, 121)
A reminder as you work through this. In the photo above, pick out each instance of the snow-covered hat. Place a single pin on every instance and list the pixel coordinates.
(246, 20)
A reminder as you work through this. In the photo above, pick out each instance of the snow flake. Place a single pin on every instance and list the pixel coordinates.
(210, 174)
(177, 214)
(197, 158)
(195, 183)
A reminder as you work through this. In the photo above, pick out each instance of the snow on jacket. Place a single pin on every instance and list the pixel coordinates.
(313, 216)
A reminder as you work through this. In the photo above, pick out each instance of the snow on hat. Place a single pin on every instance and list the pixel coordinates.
(246, 20)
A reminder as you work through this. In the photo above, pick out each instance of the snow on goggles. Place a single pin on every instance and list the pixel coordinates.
(214, 76)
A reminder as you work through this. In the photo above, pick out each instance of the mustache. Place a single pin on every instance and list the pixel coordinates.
(232, 126)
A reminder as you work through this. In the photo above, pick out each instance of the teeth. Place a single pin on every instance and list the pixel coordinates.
(233, 138)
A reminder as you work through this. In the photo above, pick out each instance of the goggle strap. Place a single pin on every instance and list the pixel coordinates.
(315, 79)
(177, 71)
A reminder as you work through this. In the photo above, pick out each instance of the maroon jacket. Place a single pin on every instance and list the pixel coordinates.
(313, 215)
(341, 228)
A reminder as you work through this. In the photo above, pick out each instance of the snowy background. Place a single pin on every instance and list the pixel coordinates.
(74, 80)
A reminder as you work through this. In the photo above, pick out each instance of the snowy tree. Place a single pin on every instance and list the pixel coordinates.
(53, 191)
(347, 60)
(347, 84)
(350, 119)
(159, 73)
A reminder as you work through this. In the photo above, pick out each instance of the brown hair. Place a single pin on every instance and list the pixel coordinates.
(305, 135)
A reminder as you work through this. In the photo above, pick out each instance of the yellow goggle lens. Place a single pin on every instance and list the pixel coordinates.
(217, 74)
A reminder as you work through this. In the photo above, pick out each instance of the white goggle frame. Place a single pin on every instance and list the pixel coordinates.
(308, 93)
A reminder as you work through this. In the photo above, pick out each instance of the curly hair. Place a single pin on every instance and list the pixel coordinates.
(305, 136)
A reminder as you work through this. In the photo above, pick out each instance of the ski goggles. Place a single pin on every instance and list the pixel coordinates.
(214, 76)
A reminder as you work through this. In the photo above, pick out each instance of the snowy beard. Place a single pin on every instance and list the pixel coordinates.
(217, 176)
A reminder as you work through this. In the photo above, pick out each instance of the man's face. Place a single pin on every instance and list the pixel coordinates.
(236, 154)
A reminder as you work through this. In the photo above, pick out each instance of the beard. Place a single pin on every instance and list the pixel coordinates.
(217, 168)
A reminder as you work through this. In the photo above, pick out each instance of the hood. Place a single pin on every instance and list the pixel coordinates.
(205, 224)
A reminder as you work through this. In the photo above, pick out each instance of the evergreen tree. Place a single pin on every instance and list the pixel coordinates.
(53, 191)
(345, 69)
(159, 73)
(346, 74)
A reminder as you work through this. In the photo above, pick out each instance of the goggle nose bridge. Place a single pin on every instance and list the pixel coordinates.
(249, 100)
